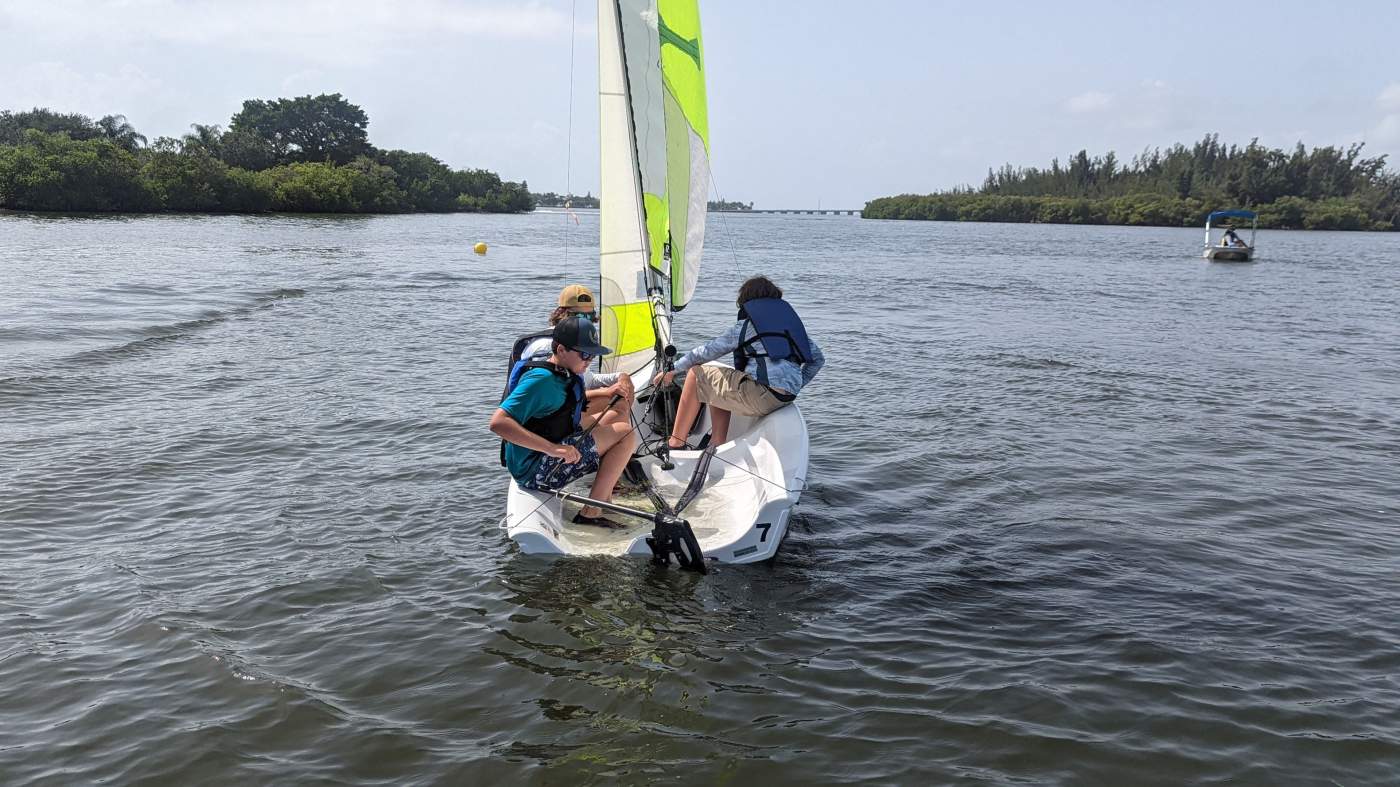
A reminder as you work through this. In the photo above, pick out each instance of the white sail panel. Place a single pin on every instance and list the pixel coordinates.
(655, 169)
(642, 44)
(627, 324)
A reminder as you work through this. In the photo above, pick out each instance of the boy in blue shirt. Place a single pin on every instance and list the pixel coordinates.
(540, 420)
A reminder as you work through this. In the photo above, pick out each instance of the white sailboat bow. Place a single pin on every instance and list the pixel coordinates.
(730, 502)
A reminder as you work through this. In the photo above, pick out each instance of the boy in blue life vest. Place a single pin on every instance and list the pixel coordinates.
(773, 360)
(540, 419)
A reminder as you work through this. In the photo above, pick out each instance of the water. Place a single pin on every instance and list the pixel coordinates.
(1085, 509)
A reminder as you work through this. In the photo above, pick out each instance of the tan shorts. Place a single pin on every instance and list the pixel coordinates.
(731, 389)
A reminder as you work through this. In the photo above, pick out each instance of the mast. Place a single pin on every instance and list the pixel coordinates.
(635, 317)
(655, 291)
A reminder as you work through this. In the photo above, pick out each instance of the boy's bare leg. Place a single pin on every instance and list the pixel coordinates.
(687, 410)
(719, 425)
(615, 442)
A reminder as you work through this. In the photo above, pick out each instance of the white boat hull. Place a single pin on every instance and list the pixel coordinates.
(1228, 253)
(740, 516)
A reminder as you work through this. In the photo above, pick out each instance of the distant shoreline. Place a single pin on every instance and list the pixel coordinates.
(1326, 188)
(83, 214)
(1132, 210)
(309, 154)
(594, 211)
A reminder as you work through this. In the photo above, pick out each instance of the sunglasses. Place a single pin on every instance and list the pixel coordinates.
(584, 356)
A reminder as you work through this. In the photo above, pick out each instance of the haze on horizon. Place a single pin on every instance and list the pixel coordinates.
(810, 102)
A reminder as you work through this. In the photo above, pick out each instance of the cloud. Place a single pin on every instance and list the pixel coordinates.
(58, 86)
(1387, 132)
(336, 32)
(1389, 98)
(1092, 101)
(305, 81)
(1160, 108)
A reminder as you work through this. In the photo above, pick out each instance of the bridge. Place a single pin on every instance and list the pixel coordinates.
(793, 211)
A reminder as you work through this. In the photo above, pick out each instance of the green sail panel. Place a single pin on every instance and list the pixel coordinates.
(665, 59)
(687, 141)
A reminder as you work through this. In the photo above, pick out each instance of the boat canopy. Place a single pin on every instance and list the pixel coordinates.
(1236, 214)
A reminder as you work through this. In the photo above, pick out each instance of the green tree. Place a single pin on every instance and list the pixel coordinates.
(14, 124)
(204, 139)
(375, 187)
(57, 173)
(52, 161)
(1323, 188)
(121, 133)
(246, 150)
(186, 182)
(312, 187)
(307, 128)
(428, 183)
(247, 192)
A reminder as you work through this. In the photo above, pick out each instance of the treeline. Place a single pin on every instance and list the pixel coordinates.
(728, 205)
(551, 200)
(1133, 209)
(1326, 188)
(306, 154)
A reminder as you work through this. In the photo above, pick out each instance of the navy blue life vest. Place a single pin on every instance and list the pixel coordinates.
(516, 351)
(561, 423)
(778, 333)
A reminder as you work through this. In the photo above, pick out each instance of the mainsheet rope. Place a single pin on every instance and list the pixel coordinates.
(636, 425)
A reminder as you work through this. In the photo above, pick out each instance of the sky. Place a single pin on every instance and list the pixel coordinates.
(811, 103)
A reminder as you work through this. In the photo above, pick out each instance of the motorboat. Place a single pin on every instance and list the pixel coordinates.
(1222, 244)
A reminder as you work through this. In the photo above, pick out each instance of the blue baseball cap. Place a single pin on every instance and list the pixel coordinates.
(581, 334)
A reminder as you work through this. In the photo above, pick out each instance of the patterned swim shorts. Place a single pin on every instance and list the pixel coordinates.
(552, 473)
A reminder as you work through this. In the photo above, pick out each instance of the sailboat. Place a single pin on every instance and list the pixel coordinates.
(728, 503)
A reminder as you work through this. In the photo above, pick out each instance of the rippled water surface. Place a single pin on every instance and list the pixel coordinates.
(1085, 509)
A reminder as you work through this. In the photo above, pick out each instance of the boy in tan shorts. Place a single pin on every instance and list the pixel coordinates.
(773, 360)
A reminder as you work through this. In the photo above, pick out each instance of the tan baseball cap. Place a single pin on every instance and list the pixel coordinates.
(577, 296)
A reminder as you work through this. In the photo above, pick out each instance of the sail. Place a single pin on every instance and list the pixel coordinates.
(655, 171)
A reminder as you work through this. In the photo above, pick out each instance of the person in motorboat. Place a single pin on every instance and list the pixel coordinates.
(547, 446)
(1231, 239)
(774, 359)
(600, 389)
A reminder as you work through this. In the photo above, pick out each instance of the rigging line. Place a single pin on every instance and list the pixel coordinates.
(724, 220)
(505, 520)
(569, 139)
(802, 488)
(636, 425)
(646, 449)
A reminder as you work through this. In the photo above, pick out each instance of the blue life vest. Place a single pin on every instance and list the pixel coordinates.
(778, 333)
(516, 351)
(561, 423)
